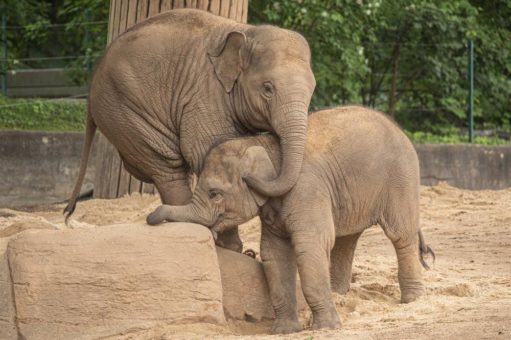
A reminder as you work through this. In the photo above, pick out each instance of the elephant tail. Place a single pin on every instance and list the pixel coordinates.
(90, 130)
(424, 250)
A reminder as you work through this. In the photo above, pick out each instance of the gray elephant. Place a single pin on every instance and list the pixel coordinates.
(177, 83)
(359, 169)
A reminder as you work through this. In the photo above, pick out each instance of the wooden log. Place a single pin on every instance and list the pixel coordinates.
(165, 5)
(214, 7)
(112, 180)
(124, 16)
(154, 7)
(124, 183)
(132, 13)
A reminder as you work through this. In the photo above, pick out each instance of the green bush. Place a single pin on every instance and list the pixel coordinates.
(452, 137)
(43, 114)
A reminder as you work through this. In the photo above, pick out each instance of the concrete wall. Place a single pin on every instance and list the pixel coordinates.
(41, 167)
(473, 167)
(50, 82)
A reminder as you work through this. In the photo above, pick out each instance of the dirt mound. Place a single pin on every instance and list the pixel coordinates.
(468, 289)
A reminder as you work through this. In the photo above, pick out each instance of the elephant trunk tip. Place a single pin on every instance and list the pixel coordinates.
(158, 216)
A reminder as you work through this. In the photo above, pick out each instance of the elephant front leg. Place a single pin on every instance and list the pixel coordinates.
(312, 243)
(280, 271)
(342, 262)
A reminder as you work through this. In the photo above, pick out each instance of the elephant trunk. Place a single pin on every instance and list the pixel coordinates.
(292, 132)
(177, 213)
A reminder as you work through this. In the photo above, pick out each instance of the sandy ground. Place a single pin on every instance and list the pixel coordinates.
(468, 288)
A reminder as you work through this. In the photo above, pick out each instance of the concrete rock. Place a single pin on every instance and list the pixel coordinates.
(7, 312)
(245, 291)
(19, 226)
(90, 283)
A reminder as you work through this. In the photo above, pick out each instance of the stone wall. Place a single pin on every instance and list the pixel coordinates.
(473, 167)
(38, 168)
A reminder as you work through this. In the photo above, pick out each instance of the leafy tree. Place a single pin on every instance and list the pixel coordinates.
(58, 33)
(405, 57)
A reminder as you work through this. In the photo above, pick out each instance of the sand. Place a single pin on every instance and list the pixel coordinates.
(468, 288)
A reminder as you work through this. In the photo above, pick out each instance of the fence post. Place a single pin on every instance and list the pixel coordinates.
(87, 41)
(3, 69)
(470, 99)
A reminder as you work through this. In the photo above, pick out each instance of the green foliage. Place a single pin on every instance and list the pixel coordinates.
(42, 114)
(453, 136)
(93, 35)
(405, 57)
(61, 33)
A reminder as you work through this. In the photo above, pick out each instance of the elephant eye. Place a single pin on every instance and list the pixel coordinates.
(214, 194)
(268, 89)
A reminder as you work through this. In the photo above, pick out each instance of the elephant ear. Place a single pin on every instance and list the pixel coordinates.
(227, 61)
(256, 161)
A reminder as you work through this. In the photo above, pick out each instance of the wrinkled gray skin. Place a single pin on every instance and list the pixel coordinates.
(174, 85)
(359, 170)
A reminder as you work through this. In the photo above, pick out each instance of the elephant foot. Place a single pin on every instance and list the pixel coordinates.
(286, 326)
(326, 320)
(341, 288)
(411, 293)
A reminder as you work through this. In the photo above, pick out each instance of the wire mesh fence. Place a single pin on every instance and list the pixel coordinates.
(416, 97)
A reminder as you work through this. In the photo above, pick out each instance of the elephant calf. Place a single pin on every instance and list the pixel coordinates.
(359, 169)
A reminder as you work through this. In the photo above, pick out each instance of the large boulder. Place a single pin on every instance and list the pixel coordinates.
(246, 295)
(7, 312)
(245, 291)
(101, 281)
(90, 283)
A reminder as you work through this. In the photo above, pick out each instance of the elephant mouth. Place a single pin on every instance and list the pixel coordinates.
(224, 223)
(219, 225)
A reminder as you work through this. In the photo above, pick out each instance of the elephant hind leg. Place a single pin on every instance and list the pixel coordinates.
(401, 225)
(174, 189)
(342, 262)
(409, 269)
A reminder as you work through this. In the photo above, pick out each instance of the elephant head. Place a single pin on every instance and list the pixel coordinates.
(267, 74)
(222, 200)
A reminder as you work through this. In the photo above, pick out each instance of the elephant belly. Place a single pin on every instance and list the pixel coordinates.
(352, 223)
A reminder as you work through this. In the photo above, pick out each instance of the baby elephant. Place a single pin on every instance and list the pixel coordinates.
(359, 169)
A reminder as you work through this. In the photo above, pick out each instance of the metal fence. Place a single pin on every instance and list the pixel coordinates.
(51, 76)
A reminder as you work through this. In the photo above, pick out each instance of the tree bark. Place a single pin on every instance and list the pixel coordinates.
(112, 180)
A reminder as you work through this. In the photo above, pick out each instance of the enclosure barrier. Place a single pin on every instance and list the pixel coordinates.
(46, 165)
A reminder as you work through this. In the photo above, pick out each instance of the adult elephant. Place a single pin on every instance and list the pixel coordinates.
(176, 84)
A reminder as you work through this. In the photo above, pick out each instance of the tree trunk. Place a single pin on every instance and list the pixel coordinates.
(112, 180)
